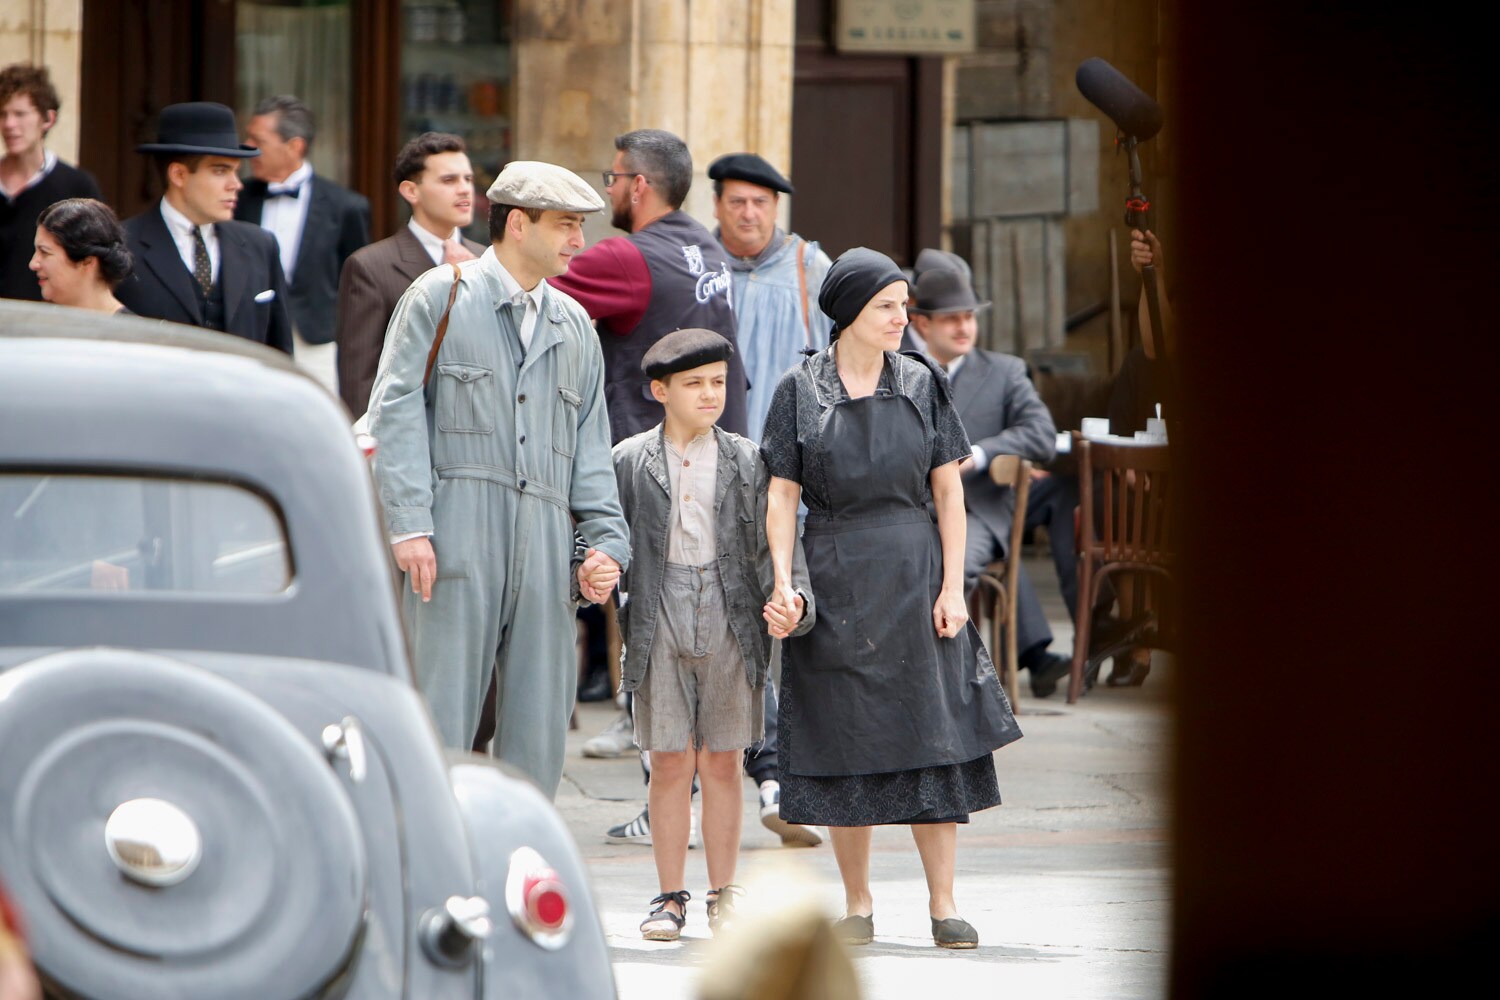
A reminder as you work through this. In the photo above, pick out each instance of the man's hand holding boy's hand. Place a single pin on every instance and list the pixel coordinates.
(597, 576)
(783, 612)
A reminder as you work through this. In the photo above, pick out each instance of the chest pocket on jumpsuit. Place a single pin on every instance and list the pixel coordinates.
(565, 421)
(569, 402)
(465, 398)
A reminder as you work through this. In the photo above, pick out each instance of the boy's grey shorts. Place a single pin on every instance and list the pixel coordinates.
(695, 692)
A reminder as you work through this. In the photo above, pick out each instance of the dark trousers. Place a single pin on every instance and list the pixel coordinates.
(1033, 634)
(1051, 503)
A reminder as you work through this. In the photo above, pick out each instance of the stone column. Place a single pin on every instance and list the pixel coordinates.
(718, 73)
(49, 33)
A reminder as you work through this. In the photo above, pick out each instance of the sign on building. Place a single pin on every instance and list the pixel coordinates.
(921, 27)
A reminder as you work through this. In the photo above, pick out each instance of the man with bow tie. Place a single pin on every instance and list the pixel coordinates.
(493, 442)
(316, 222)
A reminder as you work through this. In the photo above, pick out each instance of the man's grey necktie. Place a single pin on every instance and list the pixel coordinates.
(203, 271)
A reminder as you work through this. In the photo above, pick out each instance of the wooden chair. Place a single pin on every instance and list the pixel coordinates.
(994, 597)
(1122, 528)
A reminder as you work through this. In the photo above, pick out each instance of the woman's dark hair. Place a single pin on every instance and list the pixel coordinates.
(87, 228)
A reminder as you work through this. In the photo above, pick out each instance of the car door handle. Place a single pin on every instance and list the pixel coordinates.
(346, 740)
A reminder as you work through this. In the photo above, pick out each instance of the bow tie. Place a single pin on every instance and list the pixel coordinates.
(284, 192)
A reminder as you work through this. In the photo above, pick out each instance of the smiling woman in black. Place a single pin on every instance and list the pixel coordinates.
(890, 707)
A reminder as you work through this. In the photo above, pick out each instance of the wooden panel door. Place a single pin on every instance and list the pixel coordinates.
(138, 57)
(867, 151)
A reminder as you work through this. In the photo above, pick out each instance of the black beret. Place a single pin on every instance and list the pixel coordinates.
(683, 350)
(748, 167)
(852, 282)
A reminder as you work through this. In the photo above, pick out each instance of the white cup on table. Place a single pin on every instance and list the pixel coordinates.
(1095, 427)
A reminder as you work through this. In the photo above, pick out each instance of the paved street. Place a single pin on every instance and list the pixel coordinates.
(1067, 883)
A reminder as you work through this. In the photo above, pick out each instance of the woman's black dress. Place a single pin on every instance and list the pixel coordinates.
(881, 721)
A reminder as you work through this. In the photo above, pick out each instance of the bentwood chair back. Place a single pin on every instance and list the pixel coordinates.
(1126, 504)
(994, 598)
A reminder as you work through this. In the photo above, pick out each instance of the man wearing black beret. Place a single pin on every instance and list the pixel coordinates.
(777, 276)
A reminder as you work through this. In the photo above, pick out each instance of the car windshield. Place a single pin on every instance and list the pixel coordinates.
(72, 533)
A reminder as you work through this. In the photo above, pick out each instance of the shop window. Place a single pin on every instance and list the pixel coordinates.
(300, 47)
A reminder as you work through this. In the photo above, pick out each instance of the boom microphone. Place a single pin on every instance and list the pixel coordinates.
(1127, 105)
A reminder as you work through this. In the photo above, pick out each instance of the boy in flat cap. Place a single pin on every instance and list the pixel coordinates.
(488, 408)
(699, 613)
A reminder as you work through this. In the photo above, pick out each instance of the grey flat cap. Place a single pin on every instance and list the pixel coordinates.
(533, 184)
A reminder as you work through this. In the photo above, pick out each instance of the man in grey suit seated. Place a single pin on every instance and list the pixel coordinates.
(1004, 416)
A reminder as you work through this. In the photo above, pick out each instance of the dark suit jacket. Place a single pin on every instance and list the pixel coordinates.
(338, 223)
(161, 286)
(374, 279)
(1004, 416)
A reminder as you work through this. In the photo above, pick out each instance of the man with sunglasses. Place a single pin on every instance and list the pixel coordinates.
(668, 274)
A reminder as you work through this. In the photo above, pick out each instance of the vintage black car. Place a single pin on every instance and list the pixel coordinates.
(216, 776)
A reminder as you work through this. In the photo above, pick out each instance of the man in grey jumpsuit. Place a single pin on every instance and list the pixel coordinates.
(483, 472)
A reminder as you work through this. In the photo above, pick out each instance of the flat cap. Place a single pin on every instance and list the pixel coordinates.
(533, 184)
(683, 350)
(748, 167)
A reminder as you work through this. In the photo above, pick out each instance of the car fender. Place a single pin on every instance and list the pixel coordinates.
(503, 811)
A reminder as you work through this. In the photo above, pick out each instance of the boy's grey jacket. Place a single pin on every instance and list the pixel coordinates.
(744, 556)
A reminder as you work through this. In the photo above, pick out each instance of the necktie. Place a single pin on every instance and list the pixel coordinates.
(455, 252)
(203, 271)
(284, 192)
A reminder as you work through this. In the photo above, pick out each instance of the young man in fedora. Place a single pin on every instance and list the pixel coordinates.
(194, 263)
(1004, 416)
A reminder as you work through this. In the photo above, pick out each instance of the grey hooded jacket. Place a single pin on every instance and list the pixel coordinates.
(744, 556)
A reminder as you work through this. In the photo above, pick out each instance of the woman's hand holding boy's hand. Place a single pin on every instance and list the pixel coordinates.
(783, 612)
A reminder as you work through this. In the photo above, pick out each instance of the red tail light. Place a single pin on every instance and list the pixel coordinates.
(537, 899)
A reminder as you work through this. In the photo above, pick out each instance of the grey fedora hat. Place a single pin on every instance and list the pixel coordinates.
(198, 127)
(941, 290)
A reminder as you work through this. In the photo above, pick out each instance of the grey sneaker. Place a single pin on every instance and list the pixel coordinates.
(638, 830)
(791, 834)
(618, 737)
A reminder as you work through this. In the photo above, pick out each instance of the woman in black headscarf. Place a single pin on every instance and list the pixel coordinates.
(890, 707)
(80, 255)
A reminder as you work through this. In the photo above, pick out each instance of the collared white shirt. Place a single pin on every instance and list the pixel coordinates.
(513, 291)
(181, 228)
(49, 160)
(285, 218)
(694, 475)
(432, 244)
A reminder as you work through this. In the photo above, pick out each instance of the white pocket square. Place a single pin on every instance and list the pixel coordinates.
(266, 296)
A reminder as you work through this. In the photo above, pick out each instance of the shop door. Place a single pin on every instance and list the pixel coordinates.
(866, 147)
(137, 57)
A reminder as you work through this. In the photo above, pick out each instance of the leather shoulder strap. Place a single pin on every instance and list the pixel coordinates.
(802, 284)
(442, 328)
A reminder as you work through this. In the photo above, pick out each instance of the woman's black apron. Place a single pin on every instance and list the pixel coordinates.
(872, 687)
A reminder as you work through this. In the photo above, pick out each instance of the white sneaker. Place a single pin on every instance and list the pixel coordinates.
(618, 737)
(638, 830)
(791, 834)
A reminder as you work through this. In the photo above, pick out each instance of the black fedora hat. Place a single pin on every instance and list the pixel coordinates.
(940, 290)
(199, 127)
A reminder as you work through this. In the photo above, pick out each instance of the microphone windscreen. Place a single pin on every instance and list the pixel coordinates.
(1127, 105)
